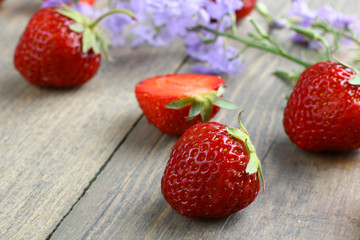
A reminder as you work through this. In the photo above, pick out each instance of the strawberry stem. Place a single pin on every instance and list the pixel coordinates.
(254, 164)
(124, 11)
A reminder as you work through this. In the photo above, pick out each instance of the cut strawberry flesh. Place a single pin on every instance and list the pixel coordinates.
(180, 85)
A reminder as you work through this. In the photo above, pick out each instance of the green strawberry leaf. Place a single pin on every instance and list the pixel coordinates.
(237, 133)
(92, 37)
(194, 110)
(223, 103)
(181, 103)
(77, 27)
(355, 80)
(202, 104)
(71, 13)
(206, 110)
(97, 46)
(88, 40)
(220, 91)
(254, 164)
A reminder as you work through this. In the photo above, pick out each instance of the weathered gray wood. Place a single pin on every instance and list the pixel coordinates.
(309, 196)
(54, 142)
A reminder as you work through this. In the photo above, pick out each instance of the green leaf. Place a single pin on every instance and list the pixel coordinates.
(223, 103)
(77, 27)
(220, 91)
(88, 40)
(181, 103)
(194, 110)
(355, 80)
(237, 133)
(206, 110)
(253, 165)
(71, 13)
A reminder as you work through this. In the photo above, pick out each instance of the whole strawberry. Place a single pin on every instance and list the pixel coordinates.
(323, 111)
(213, 171)
(175, 102)
(60, 48)
(247, 7)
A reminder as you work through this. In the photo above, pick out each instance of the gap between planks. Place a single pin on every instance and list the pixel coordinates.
(177, 69)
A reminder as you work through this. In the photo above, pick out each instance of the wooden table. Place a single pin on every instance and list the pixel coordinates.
(84, 163)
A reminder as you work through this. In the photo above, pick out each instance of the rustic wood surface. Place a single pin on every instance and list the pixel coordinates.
(85, 164)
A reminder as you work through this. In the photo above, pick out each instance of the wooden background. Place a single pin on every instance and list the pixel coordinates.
(85, 164)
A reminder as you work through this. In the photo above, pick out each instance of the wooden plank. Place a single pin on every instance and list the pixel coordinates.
(54, 142)
(309, 196)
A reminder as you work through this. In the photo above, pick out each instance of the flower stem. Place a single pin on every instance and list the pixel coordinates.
(258, 46)
(124, 11)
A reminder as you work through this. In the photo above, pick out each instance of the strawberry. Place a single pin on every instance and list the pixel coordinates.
(60, 48)
(213, 171)
(323, 111)
(90, 2)
(175, 102)
(248, 6)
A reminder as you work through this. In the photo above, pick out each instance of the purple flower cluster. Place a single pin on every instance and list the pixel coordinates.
(159, 22)
(325, 15)
(52, 3)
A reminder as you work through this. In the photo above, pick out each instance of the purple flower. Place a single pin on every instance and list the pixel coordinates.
(278, 24)
(325, 15)
(219, 58)
(85, 9)
(339, 21)
(52, 3)
(220, 8)
(300, 9)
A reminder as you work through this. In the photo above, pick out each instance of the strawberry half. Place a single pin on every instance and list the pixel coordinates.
(323, 111)
(175, 102)
(213, 171)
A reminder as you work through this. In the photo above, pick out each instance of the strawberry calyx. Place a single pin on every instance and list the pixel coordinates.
(254, 165)
(202, 104)
(93, 38)
(354, 80)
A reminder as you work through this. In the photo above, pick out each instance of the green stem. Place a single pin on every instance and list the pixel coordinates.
(258, 46)
(130, 14)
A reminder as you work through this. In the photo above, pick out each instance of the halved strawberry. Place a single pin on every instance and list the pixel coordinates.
(175, 102)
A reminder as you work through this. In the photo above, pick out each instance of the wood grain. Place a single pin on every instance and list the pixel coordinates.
(54, 142)
(309, 196)
(57, 165)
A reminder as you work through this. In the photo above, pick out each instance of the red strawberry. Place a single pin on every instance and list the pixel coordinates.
(248, 6)
(175, 102)
(51, 54)
(323, 112)
(90, 2)
(60, 48)
(213, 171)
